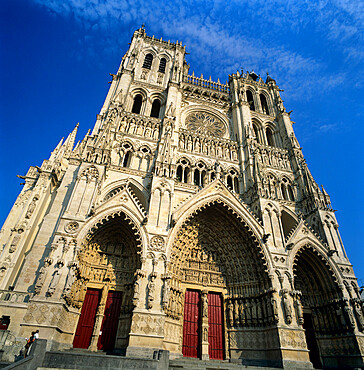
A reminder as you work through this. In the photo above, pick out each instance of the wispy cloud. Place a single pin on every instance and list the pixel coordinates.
(223, 37)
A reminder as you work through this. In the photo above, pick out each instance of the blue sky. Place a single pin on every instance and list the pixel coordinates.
(56, 57)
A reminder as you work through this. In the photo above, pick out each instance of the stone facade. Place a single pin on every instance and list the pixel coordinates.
(183, 185)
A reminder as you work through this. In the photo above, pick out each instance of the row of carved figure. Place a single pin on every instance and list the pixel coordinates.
(146, 127)
(272, 157)
(252, 311)
(337, 316)
(208, 146)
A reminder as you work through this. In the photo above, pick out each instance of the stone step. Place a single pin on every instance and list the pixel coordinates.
(196, 364)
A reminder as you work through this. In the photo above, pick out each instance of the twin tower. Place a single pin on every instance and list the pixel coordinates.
(186, 220)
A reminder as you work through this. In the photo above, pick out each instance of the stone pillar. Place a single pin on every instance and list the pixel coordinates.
(204, 326)
(98, 321)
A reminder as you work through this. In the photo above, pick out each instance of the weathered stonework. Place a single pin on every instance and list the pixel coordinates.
(186, 220)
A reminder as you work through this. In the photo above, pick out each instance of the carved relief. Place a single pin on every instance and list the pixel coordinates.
(157, 244)
(147, 324)
(72, 227)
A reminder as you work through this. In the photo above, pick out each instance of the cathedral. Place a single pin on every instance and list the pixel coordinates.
(185, 221)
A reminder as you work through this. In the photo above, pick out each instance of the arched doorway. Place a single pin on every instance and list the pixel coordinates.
(104, 288)
(219, 288)
(327, 317)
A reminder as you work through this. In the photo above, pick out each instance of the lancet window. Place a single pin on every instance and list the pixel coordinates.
(232, 180)
(128, 152)
(256, 133)
(199, 175)
(264, 104)
(269, 136)
(183, 171)
(156, 106)
(250, 99)
(162, 65)
(286, 190)
(137, 105)
(148, 60)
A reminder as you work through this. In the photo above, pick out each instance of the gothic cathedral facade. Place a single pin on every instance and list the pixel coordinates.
(186, 220)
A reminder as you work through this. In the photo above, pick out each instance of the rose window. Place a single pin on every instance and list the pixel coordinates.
(205, 124)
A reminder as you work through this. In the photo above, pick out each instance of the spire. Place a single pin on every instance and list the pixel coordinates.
(70, 141)
(53, 155)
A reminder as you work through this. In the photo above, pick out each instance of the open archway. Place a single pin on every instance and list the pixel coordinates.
(327, 316)
(104, 286)
(219, 285)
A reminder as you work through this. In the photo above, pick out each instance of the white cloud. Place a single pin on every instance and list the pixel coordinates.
(224, 35)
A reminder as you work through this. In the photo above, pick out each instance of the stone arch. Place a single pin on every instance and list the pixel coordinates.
(214, 250)
(107, 265)
(326, 313)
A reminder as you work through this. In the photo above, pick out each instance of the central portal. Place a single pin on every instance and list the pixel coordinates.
(219, 289)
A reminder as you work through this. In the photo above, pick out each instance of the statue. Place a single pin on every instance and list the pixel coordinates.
(299, 309)
(287, 306)
(275, 309)
(241, 311)
(71, 277)
(41, 277)
(171, 111)
(15, 241)
(31, 207)
(236, 312)
(204, 300)
(54, 282)
(205, 335)
(359, 314)
(151, 290)
(166, 291)
(231, 313)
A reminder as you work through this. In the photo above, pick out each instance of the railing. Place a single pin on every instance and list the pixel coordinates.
(14, 296)
(208, 84)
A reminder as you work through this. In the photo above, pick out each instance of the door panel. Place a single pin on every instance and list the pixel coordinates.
(87, 319)
(311, 341)
(191, 324)
(110, 321)
(216, 338)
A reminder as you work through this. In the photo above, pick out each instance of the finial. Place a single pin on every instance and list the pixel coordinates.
(143, 26)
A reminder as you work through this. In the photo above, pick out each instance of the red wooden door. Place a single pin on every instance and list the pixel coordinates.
(191, 324)
(110, 321)
(216, 338)
(87, 319)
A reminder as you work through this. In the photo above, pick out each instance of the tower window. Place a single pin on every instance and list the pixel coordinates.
(126, 160)
(290, 193)
(137, 105)
(230, 182)
(156, 106)
(148, 61)
(255, 128)
(270, 138)
(250, 99)
(162, 65)
(264, 104)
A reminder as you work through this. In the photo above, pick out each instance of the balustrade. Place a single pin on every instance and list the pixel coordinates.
(14, 296)
(208, 84)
